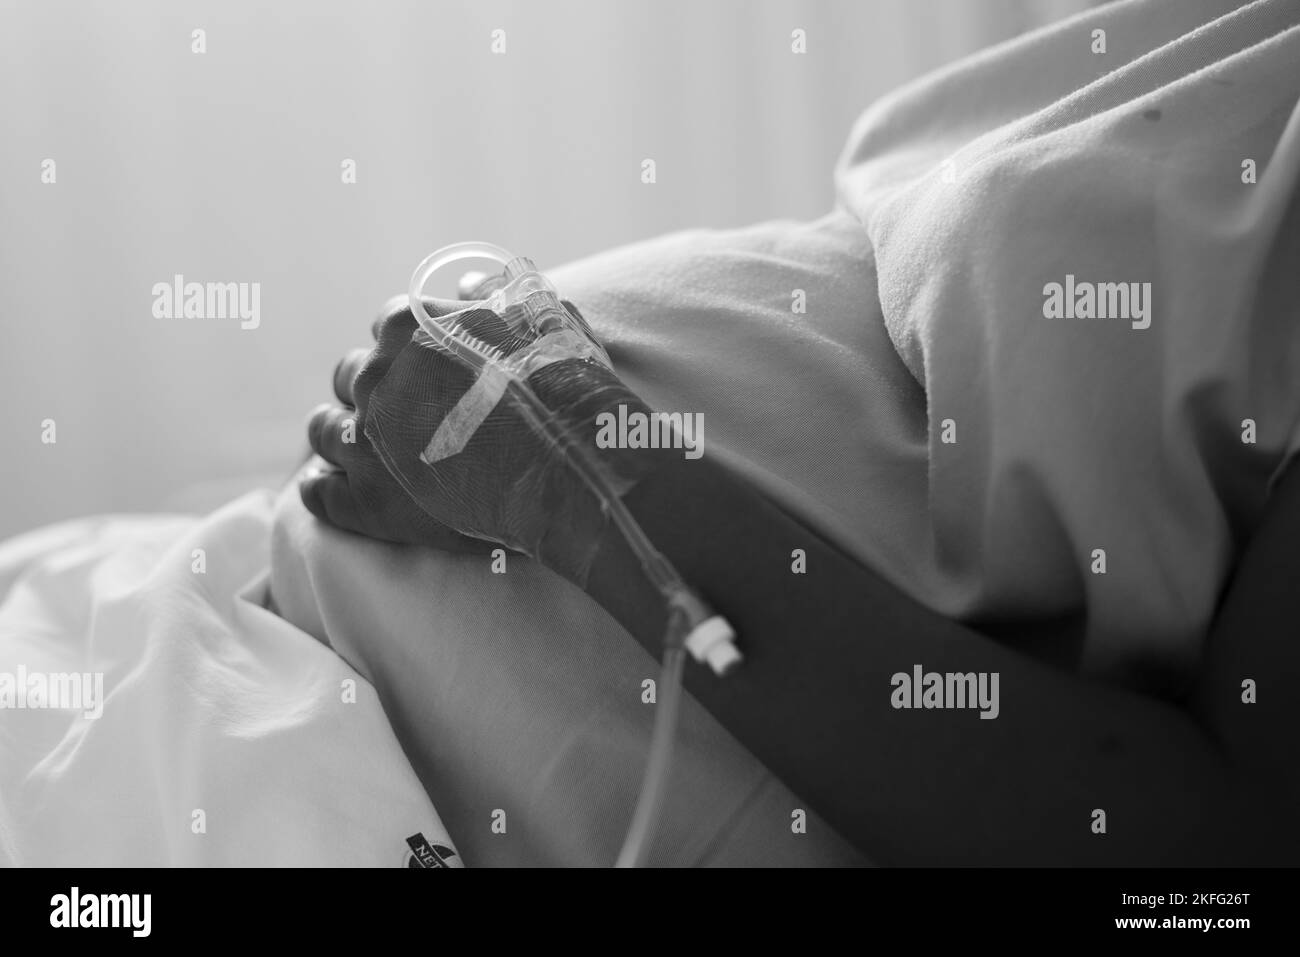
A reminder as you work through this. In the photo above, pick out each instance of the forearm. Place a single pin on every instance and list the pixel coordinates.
(813, 702)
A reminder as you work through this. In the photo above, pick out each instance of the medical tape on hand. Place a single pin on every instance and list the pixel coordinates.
(460, 424)
(463, 421)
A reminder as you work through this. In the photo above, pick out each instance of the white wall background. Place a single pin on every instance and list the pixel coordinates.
(225, 167)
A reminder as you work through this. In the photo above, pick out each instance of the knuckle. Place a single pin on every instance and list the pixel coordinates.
(395, 316)
(363, 383)
(316, 422)
(342, 374)
(345, 373)
(309, 490)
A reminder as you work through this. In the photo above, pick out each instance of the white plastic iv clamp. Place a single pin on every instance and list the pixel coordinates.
(709, 637)
(714, 642)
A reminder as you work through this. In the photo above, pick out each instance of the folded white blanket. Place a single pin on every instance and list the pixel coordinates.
(1153, 143)
(224, 736)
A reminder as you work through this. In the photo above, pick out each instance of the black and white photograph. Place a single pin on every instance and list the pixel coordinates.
(673, 434)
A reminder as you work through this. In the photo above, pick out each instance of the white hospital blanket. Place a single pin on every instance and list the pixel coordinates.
(1041, 160)
(224, 737)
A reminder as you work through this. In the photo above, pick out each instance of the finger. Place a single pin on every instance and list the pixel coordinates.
(345, 374)
(394, 311)
(478, 285)
(449, 540)
(328, 496)
(392, 330)
(333, 434)
(469, 283)
(395, 319)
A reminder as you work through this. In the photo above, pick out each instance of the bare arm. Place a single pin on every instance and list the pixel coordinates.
(1211, 783)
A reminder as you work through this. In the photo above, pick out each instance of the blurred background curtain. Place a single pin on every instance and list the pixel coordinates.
(226, 167)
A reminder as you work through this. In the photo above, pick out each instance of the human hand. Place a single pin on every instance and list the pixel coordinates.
(506, 485)
(354, 491)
